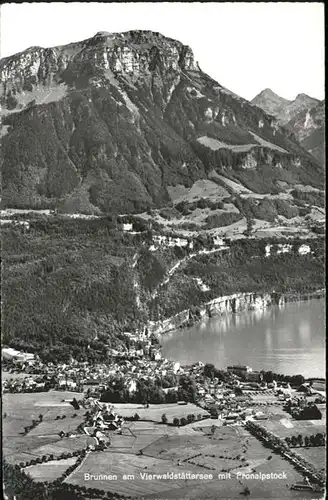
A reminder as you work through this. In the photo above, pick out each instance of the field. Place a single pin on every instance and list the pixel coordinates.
(200, 189)
(106, 463)
(315, 455)
(155, 412)
(21, 409)
(69, 424)
(63, 445)
(288, 427)
(49, 471)
(148, 446)
(137, 435)
(38, 399)
(228, 449)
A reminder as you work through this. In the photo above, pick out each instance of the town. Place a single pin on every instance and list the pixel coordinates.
(105, 406)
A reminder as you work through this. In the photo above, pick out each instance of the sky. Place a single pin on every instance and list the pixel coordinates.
(246, 47)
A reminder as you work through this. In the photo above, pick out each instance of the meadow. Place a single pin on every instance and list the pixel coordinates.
(287, 427)
(154, 412)
(226, 449)
(49, 471)
(43, 439)
(133, 465)
(47, 427)
(315, 455)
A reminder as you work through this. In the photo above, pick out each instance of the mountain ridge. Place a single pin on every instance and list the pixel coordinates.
(283, 109)
(304, 117)
(109, 123)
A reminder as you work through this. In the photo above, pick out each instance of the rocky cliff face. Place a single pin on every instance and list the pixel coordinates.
(304, 118)
(309, 128)
(135, 53)
(108, 124)
(217, 307)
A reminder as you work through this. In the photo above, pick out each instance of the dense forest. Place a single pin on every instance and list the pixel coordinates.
(72, 282)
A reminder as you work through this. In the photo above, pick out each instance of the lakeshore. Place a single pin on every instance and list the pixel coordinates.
(68, 422)
(229, 304)
(287, 339)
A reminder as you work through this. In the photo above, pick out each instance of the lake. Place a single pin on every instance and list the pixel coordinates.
(287, 339)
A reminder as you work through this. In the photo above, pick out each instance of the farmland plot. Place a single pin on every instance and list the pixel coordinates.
(55, 426)
(294, 427)
(64, 445)
(68, 411)
(14, 426)
(315, 455)
(106, 463)
(49, 471)
(154, 412)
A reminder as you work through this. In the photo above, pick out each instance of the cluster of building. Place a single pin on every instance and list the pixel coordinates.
(105, 418)
(82, 377)
(230, 400)
(26, 384)
(286, 248)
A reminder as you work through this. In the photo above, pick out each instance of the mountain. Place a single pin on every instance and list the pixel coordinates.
(309, 128)
(271, 103)
(283, 109)
(304, 117)
(128, 123)
(113, 123)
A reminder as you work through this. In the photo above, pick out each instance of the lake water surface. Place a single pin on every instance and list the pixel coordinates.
(289, 339)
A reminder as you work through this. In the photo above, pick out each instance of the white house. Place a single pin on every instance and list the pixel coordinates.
(284, 248)
(176, 367)
(218, 241)
(304, 249)
(132, 385)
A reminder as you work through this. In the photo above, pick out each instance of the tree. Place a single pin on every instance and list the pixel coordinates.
(294, 441)
(307, 441)
(136, 416)
(176, 421)
(164, 419)
(75, 404)
(40, 417)
(183, 421)
(320, 439)
(312, 440)
(214, 413)
(300, 439)
(288, 441)
(213, 429)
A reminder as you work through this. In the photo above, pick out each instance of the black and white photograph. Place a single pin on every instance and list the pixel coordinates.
(163, 250)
